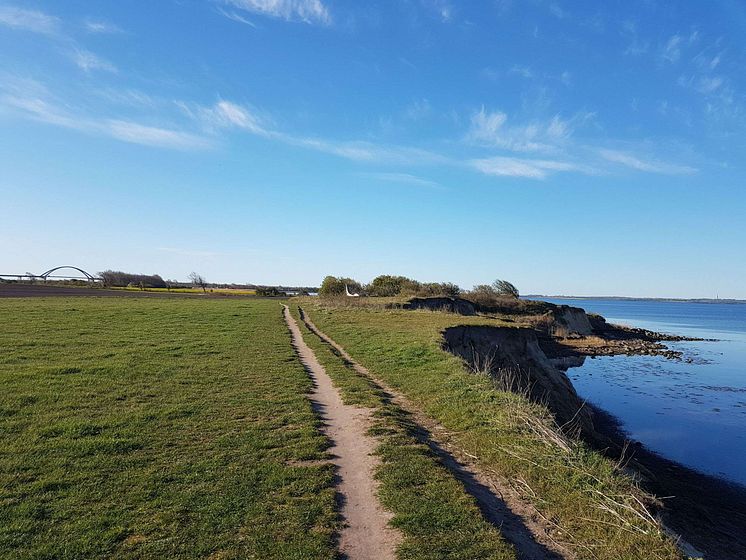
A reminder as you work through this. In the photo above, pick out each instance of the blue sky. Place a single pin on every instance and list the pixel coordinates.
(571, 147)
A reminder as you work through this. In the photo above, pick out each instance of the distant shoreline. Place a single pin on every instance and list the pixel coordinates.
(629, 298)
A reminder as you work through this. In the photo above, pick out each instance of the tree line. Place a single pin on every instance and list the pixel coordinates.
(117, 278)
(387, 285)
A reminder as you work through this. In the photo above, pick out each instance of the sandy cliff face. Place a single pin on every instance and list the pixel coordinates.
(518, 349)
(574, 319)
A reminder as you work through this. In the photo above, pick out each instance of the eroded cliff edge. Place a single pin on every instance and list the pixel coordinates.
(709, 512)
(514, 357)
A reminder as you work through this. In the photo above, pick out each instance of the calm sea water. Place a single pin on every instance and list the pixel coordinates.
(693, 411)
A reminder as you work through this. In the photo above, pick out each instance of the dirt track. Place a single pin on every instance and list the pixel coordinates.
(366, 534)
(500, 504)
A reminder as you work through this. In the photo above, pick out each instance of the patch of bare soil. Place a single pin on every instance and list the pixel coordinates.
(366, 534)
(520, 523)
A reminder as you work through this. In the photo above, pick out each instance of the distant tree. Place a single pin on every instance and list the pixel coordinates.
(121, 279)
(198, 281)
(505, 288)
(353, 286)
(331, 286)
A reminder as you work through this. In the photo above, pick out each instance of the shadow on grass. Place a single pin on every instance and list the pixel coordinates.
(493, 508)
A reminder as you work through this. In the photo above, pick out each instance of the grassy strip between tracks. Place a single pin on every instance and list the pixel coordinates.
(437, 517)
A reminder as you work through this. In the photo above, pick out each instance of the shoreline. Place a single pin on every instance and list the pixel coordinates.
(542, 297)
(708, 511)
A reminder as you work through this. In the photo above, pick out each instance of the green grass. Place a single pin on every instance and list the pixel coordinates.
(437, 518)
(593, 506)
(139, 428)
(180, 428)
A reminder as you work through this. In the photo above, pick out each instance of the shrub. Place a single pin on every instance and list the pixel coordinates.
(387, 285)
(433, 289)
(269, 291)
(333, 286)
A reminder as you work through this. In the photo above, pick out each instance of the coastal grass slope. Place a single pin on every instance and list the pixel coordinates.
(158, 428)
(596, 511)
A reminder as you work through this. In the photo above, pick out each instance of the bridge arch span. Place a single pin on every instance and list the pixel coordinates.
(49, 272)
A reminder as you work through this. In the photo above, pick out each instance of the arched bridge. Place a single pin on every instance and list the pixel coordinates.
(86, 275)
(81, 275)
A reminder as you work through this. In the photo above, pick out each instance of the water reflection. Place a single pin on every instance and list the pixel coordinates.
(693, 410)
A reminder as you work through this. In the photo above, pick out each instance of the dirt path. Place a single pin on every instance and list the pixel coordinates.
(500, 504)
(366, 534)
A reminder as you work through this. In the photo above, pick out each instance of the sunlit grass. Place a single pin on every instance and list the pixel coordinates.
(157, 428)
(593, 507)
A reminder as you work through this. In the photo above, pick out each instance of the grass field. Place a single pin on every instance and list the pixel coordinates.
(181, 428)
(593, 506)
(221, 291)
(139, 428)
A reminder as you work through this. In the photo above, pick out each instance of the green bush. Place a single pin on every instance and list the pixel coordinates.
(333, 286)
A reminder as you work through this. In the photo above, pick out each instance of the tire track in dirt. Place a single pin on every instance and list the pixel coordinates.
(519, 523)
(366, 533)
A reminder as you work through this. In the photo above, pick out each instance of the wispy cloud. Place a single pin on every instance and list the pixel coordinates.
(673, 48)
(442, 8)
(101, 27)
(207, 124)
(127, 97)
(522, 71)
(405, 178)
(40, 110)
(636, 46)
(30, 100)
(230, 14)
(524, 167)
(647, 165)
(225, 114)
(671, 51)
(229, 115)
(418, 110)
(87, 61)
(137, 133)
(45, 24)
(28, 20)
(362, 151)
(490, 128)
(306, 11)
